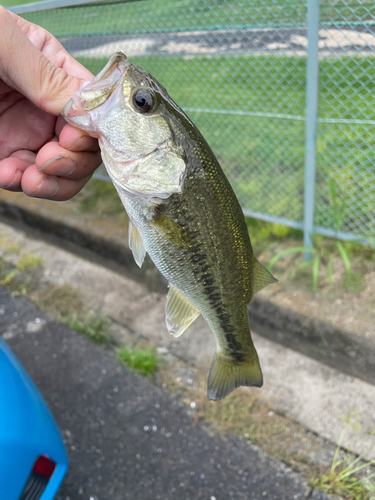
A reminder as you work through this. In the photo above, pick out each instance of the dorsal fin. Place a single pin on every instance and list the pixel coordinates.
(261, 277)
(136, 244)
(179, 312)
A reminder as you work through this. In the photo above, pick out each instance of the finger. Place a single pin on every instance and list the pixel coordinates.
(52, 159)
(11, 173)
(23, 125)
(26, 69)
(52, 48)
(12, 168)
(39, 185)
(75, 139)
(4, 88)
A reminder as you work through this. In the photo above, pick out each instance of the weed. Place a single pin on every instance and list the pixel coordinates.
(345, 258)
(322, 254)
(7, 248)
(342, 478)
(65, 303)
(339, 207)
(241, 412)
(314, 264)
(93, 327)
(59, 301)
(144, 361)
(28, 262)
(21, 277)
(8, 277)
(352, 419)
(354, 283)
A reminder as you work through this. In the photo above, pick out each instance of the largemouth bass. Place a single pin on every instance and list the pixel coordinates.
(182, 211)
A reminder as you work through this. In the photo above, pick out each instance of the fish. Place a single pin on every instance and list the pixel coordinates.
(182, 209)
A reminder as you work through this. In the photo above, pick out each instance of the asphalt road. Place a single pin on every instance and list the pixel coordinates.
(190, 42)
(126, 438)
(268, 41)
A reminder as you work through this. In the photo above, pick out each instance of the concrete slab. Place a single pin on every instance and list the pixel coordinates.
(319, 397)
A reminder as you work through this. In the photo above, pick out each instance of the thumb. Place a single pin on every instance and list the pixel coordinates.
(53, 87)
(24, 68)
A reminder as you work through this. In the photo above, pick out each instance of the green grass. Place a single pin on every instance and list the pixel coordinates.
(343, 484)
(168, 15)
(264, 157)
(144, 361)
(243, 144)
(91, 326)
(345, 479)
(12, 3)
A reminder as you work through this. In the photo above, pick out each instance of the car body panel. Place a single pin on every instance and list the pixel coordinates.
(27, 430)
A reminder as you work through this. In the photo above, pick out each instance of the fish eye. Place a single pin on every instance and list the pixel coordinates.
(144, 101)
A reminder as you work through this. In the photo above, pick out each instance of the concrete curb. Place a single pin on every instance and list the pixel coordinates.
(127, 438)
(317, 339)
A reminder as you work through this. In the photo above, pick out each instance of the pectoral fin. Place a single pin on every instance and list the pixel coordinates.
(136, 244)
(174, 232)
(261, 277)
(179, 312)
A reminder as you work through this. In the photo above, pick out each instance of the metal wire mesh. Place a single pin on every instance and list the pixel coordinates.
(345, 189)
(238, 69)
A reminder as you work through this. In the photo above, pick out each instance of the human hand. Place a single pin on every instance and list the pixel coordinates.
(40, 154)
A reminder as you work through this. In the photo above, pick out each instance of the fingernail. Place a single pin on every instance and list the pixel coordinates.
(80, 144)
(59, 165)
(11, 183)
(47, 188)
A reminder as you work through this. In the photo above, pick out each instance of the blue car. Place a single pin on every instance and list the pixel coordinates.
(33, 459)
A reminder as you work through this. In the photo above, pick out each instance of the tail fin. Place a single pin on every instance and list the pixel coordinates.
(225, 375)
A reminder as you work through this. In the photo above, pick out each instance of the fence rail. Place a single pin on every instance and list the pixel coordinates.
(281, 89)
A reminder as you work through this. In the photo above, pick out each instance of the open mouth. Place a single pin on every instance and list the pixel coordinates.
(82, 109)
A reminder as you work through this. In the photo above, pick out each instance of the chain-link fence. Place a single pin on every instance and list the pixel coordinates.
(238, 68)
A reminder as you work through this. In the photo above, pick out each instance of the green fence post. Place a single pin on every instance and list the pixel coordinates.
(312, 83)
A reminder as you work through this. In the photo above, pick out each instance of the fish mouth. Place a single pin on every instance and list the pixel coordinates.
(77, 117)
(118, 61)
(78, 109)
(106, 80)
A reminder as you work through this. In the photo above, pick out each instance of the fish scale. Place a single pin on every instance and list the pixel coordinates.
(183, 212)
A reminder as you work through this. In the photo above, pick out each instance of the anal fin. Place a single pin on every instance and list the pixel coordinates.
(136, 244)
(179, 312)
(225, 375)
